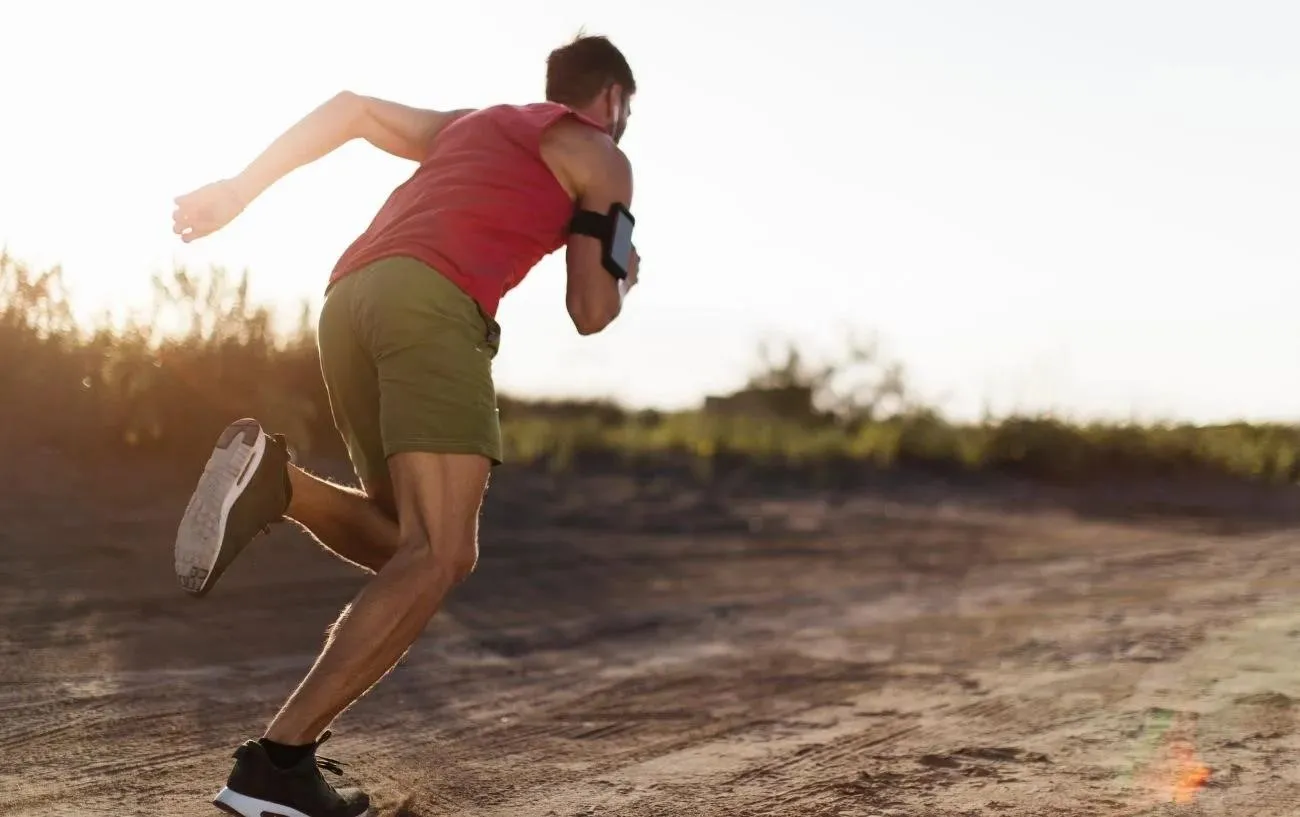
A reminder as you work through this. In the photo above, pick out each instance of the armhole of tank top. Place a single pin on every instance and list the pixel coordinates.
(552, 120)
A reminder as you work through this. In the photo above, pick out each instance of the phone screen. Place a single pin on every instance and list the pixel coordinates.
(620, 246)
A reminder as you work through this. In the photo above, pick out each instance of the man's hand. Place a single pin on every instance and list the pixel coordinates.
(633, 267)
(208, 209)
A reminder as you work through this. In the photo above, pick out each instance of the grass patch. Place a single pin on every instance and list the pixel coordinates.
(135, 387)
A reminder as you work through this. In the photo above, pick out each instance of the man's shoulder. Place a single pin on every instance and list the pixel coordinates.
(538, 115)
(543, 109)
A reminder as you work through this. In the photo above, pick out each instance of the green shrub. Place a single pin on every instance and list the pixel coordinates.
(138, 387)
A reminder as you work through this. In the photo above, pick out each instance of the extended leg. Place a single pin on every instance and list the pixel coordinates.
(437, 498)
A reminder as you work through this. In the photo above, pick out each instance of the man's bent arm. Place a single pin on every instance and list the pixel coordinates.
(401, 130)
(592, 294)
(397, 129)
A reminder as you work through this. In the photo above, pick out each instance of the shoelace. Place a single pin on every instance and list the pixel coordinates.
(329, 764)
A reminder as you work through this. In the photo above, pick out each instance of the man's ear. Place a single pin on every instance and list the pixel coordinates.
(614, 102)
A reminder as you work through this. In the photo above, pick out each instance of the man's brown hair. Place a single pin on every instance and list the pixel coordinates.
(577, 72)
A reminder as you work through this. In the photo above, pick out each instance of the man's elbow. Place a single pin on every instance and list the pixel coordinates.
(350, 107)
(587, 325)
(589, 320)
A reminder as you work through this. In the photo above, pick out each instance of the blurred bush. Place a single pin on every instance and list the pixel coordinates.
(165, 382)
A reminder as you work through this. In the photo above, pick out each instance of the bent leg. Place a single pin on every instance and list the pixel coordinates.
(359, 527)
(438, 498)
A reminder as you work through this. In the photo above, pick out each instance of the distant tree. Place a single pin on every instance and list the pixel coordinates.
(858, 385)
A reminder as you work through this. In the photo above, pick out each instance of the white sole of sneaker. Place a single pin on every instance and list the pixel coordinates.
(232, 802)
(202, 530)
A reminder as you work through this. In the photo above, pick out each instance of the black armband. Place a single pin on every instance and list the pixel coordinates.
(614, 229)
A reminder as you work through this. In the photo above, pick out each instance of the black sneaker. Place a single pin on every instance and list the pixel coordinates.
(243, 490)
(258, 788)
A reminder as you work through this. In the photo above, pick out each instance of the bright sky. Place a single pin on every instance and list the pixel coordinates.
(1089, 207)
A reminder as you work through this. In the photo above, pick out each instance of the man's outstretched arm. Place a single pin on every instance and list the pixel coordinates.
(394, 128)
(398, 129)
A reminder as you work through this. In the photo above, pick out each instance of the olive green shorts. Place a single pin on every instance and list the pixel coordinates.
(407, 359)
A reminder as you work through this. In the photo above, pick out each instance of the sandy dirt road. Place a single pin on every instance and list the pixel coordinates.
(636, 648)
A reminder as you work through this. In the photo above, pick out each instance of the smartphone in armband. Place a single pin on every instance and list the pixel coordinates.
(614, 229)
(618, 255)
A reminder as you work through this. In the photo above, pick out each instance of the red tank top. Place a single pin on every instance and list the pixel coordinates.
(482, 209)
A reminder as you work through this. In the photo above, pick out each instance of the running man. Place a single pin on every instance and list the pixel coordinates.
(407, 337)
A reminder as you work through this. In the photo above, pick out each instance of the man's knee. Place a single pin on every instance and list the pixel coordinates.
(464, 561)
(438, 498)
(442, 561)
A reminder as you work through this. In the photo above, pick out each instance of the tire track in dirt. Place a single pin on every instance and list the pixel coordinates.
(982, 763)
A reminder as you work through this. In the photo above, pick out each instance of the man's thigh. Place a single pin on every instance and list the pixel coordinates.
(438, 497)
(424, 381)
(352, 385)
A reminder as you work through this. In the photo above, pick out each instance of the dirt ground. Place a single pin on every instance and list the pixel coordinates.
(642, 646)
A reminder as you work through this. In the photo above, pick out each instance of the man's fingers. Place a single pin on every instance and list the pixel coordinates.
(189, 225)
(190, 218)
